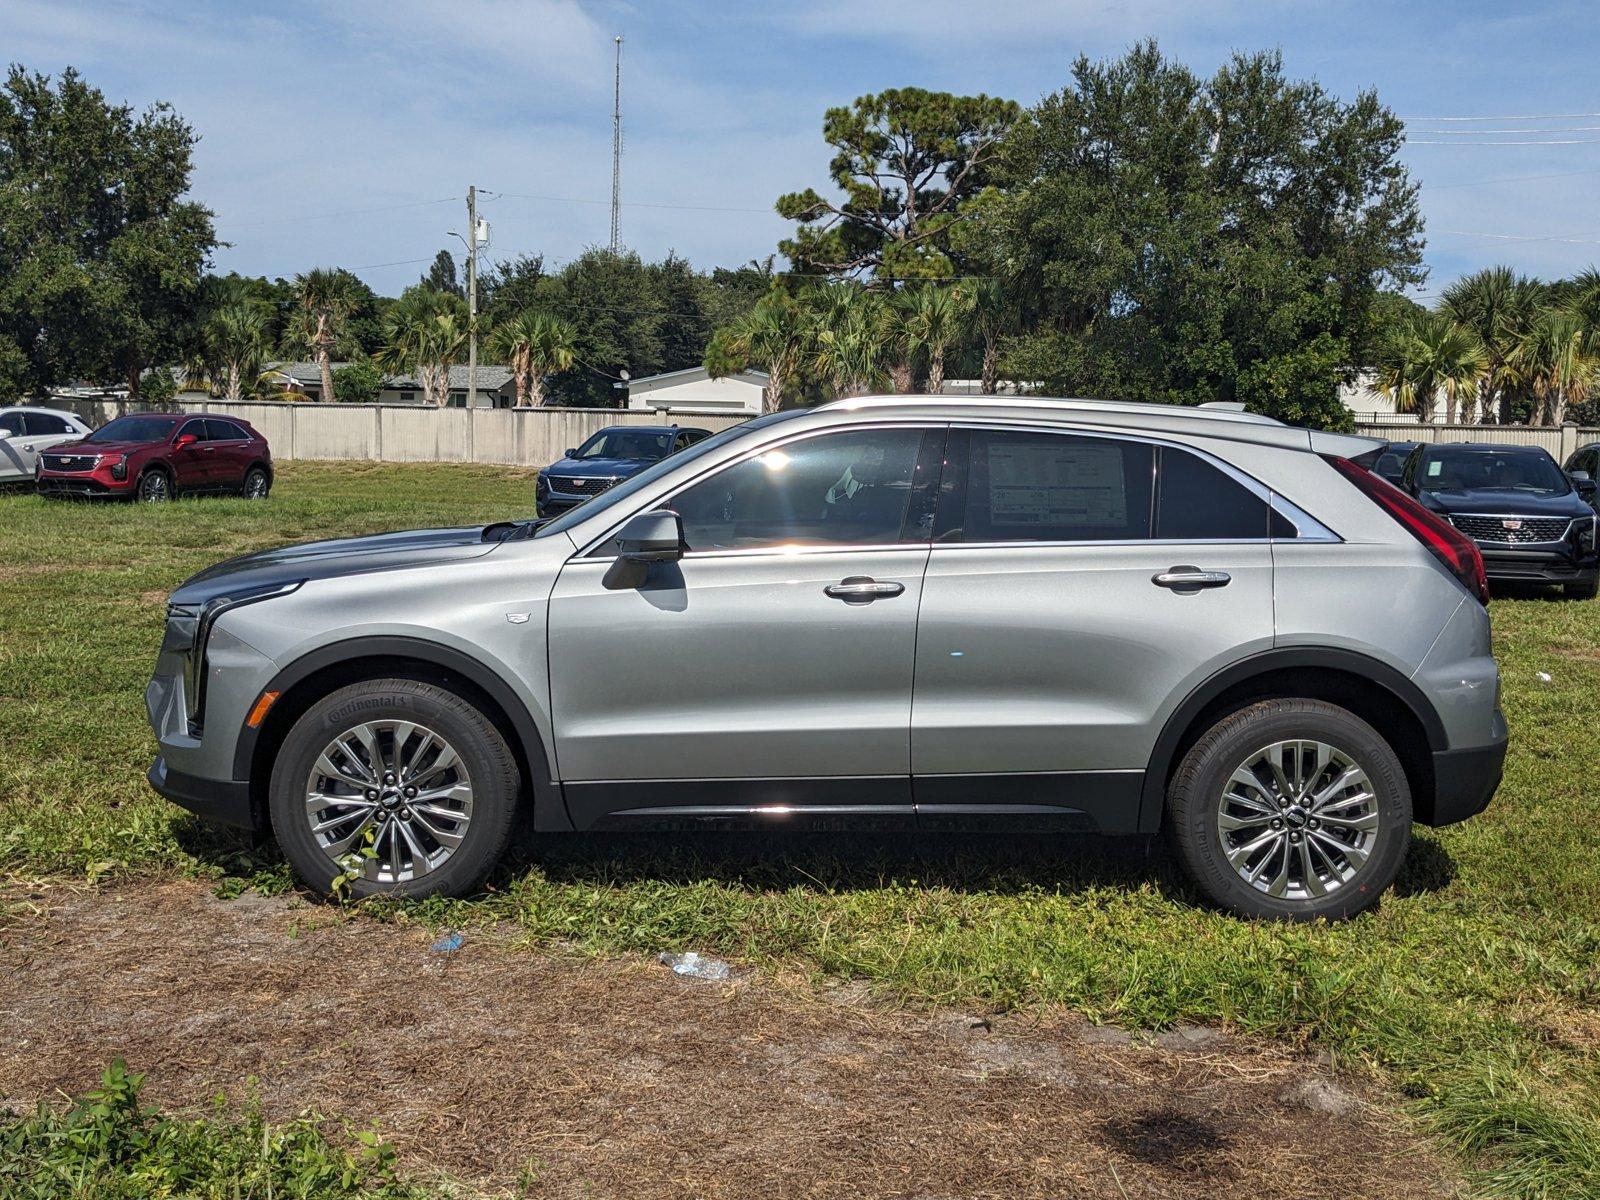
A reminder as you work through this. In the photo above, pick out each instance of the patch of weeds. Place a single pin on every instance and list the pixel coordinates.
(109, 1146)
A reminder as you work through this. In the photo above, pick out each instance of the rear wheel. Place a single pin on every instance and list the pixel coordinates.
(393, 787)
(257, 483)
(155, 487)
(1292, 810)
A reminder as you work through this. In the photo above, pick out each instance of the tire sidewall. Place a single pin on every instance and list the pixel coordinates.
(1200, 779)
(488, 761)
(266, 483)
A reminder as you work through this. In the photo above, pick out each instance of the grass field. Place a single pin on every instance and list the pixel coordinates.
(1475, 989)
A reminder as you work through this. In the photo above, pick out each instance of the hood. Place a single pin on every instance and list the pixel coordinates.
(1497, 502)
(330, 559)
(111, 448)
(607, 468)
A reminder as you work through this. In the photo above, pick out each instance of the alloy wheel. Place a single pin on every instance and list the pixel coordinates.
(153, 488)
(389, 801)
(1298, 819)
(255, 485)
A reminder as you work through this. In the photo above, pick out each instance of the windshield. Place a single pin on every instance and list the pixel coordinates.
(628, 443)
(133, 429)
(1490, 468)
(587, 509)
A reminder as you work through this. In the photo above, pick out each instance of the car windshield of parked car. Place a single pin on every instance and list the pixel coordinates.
(133, 429)
(632, 485)
(1470, 468)
(626, 443)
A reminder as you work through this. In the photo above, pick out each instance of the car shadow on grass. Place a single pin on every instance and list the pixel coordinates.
(999, 864)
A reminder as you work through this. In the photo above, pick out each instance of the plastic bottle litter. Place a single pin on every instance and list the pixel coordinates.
(448, 944)
(1545, 676)
(695, 965)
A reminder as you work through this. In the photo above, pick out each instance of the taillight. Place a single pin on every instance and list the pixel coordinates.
(1458, 552)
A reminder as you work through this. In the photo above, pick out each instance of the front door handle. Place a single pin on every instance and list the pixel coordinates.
(1188, 580)
(862, 589)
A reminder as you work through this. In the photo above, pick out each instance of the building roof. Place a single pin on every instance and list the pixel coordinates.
(684, 374)
(491, 376)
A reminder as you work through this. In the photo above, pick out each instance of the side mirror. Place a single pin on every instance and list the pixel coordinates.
(184, 439)
(4, 434)
(569, 452)
(1583, 482)
(647, 538)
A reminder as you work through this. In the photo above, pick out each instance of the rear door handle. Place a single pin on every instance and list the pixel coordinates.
(862, 589)
(1185, 580)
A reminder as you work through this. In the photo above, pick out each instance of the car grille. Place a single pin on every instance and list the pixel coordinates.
(1512, 530)
(586, 485)
(70, 462)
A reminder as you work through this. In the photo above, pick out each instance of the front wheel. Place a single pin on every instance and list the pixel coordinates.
(1582, 591)
(1291, 809)
(393, 787)
(257, 483)
(155, 487)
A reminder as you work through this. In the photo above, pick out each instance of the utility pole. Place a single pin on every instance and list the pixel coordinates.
(472, 301)
(616, 149)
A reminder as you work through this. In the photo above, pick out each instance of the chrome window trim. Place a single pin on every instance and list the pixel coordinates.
(665, 501)
(1307, 527)
(1308, 530)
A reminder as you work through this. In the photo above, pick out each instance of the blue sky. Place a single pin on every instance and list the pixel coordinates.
(344, 133)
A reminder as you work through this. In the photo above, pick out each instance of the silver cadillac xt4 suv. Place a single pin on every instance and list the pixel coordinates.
(1105, 617)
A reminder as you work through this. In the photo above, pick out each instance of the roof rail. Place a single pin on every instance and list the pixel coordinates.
(1203, 411)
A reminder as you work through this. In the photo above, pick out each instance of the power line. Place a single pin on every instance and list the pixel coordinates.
(1482, 132)
(1534, 117)
(349, 212)
(1548, 142)
(1439, 187)
(1511, 237)
(631, 203)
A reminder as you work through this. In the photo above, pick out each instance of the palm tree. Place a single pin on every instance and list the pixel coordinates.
(1428, 354)
(236, 340)
(425, 332)
(850, 338)
(932, 317)
(1498, 306)
(772, 334)
(326, 301)
(1555, 363)
(534, 343)
(995, 313)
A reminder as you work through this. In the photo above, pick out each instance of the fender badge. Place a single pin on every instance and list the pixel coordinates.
(517, 618)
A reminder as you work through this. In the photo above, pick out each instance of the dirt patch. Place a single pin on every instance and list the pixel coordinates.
(495, 1063)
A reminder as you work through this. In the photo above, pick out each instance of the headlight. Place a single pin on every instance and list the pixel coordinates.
(1586, 534)
(196, 624)
(119, 469)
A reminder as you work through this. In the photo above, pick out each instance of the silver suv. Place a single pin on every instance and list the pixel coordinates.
(1113, 618)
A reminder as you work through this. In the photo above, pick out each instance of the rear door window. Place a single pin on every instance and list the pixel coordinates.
(1196, 501)
(225, 431)
(44, 424)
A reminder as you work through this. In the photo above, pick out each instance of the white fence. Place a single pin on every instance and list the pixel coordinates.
(530, 437)
(1559, 440)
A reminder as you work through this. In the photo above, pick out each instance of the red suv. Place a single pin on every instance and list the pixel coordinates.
(156, 456)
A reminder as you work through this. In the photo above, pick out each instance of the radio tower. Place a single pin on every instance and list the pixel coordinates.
(616, 150)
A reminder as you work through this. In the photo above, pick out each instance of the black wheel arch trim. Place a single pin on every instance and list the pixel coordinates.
(1153, 800)
(550, 812)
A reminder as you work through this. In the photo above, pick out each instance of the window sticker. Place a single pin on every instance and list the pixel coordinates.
(1434, 468)
(1059, 484)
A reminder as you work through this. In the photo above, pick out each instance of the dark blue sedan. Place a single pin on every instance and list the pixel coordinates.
(608, 458)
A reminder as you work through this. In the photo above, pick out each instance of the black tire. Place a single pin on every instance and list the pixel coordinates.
(155, 487)
(487, 760)
(257, 483)
(1195, 793)
(1581, 591)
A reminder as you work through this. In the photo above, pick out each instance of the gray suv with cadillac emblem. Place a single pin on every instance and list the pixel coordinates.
(1103, 617)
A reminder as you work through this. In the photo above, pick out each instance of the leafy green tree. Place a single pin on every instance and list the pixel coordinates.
(535, 345)
(934, 317)
(359, 381)
(425, 332)
(100, 253)
(614, 302)
(1184, 239)
(851, 339)
(509, 287)
(906, 160)
(442, 277)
